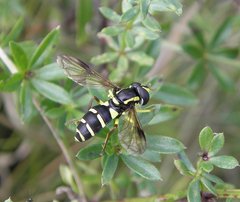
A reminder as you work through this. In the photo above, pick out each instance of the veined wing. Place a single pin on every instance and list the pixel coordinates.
(131, 135)
(82, 73)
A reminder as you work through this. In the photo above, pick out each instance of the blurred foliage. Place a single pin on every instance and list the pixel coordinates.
(130, 37)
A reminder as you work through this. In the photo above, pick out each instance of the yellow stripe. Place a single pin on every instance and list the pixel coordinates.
(146, 88)
(115, 101)
(131, 99)
(93, 110)
(81, 135)
(83, 121)
(113, 113)
(105, 103)
(90, 130)
(101, 120)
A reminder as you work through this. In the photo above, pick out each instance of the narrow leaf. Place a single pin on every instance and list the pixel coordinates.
(174, 94)
(50, 72)
(109, 168)
(19, 55)
(193, 192)
(164, 144)
(225, 162)
(223, 79)
(144, 5)
(110, 14)
(141, 167)
(151, 156)
(84, 13)
(141, 58)
(26, 107)
(146, 33)
(205, 138)
(213, 178)
(14, 33)
(112, 30)
(52, 91)
(193, 50)
(216, 144)
(130, 14)
(104, 58)
(152, 24)
(46, 43)
(208, 185)
(12, 83)
(90, 152)
(181, 167)
(197, 76)
(185, 160)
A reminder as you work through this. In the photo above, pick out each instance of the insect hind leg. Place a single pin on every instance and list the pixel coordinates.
(116, 121)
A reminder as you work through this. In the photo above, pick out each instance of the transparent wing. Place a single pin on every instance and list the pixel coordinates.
(82, 73)
(131, 135)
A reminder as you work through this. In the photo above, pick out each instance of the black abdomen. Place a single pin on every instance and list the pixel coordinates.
(92, 122)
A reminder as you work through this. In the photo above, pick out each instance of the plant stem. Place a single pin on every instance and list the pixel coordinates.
(64, 151)
(10, 65)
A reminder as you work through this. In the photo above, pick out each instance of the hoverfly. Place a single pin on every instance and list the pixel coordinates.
(121, 101)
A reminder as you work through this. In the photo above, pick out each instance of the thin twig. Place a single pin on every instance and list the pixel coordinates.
(64, 151)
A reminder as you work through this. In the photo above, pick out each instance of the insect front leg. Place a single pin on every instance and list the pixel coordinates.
(116, 121)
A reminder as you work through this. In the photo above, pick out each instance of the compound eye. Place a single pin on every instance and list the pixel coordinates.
(144, 95)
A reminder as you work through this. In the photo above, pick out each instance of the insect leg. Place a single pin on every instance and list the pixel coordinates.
(91, 101)
(116, 121)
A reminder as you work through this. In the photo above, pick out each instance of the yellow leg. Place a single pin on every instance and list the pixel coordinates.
(109, 135)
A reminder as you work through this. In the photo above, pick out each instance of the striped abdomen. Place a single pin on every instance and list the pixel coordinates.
(93, 121)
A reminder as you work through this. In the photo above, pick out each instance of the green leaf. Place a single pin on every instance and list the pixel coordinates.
(19, 55)
(208, 185)
(141, 58)
(129, 39)
(66, 175)
(216, 144)
(169, 5)
(109, 168)
(126, 5)
(197, 76)
(227, 52)
(110, 14)
(225, 162)
(174, 94)
(223, 79)
(52, 91)
(151, 24)
(14, 33)
(12, 83)
(222, 32)
(50, 72)
(104, 58)
(145, 33)
(165, 113)
(193, 50)
(205, 138)
(185, 160)
(130, 14)
(181, 167)
(46, 43)
(164, 144)
(213, 178)
(141, 167)
(84, 13)
(206, 166)
(193, 192)
(112, 30)
(144, 5)
(151, 156)
(55, 113)
(90, 152)
(198, 34)
(26, 107)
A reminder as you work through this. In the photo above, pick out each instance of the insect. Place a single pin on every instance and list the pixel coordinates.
(121, 101)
